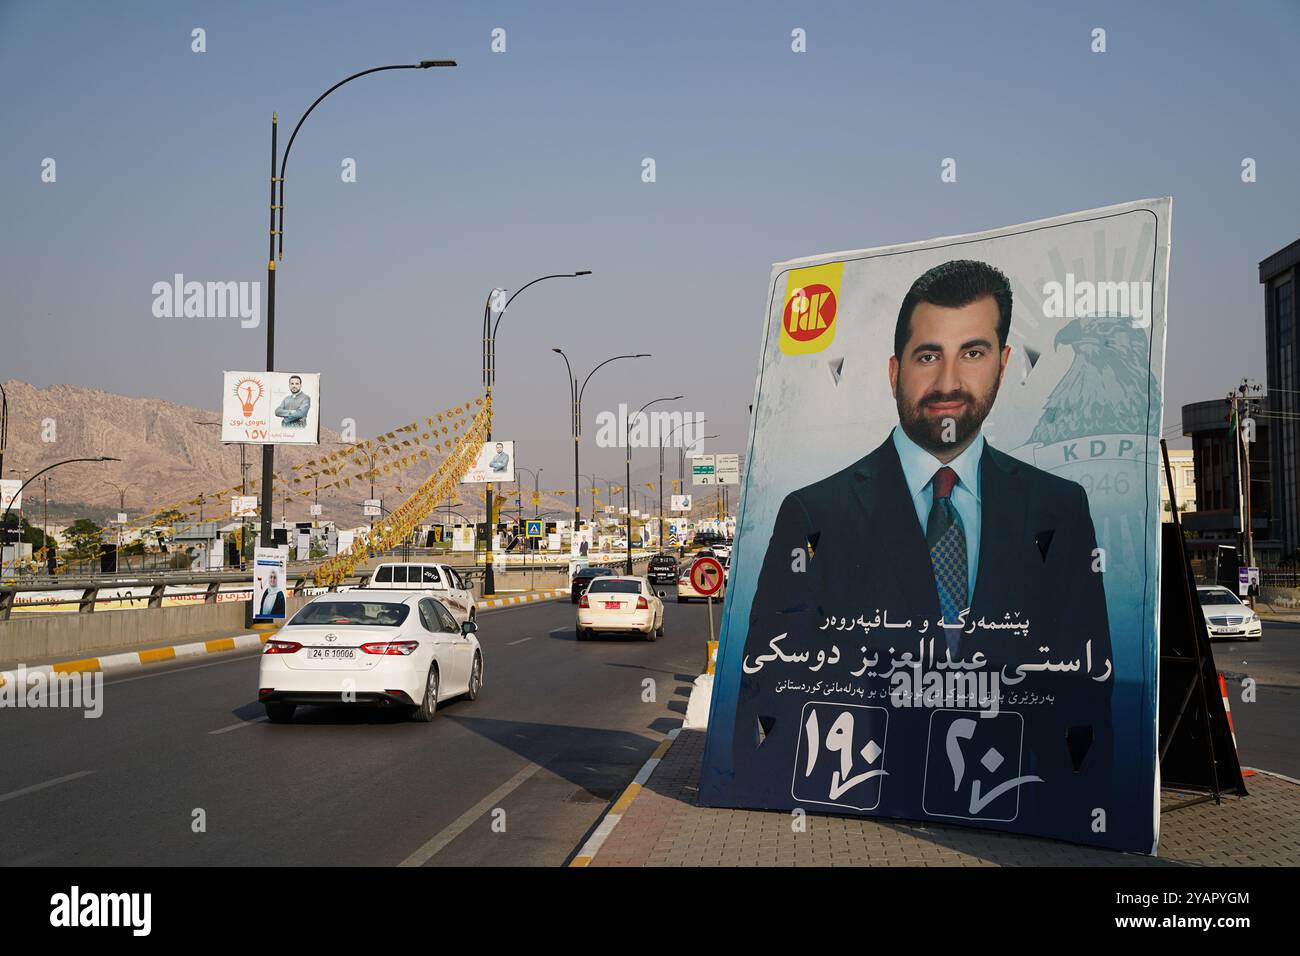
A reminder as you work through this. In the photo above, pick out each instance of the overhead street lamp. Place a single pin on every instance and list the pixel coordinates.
(575, 419)
(489, 379)
(4, 426)
(277, 206)
(4, 519)
(627, 427)
(662, 443)
(681, 459)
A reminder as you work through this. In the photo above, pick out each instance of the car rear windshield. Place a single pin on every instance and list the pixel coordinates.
(1218, 597)
(362, 613)
(615, 587)
(592, 572)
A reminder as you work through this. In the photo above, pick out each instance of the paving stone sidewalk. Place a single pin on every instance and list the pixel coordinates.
(664, 827)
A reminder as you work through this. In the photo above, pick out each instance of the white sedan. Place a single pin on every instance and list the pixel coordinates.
(1226, 616)
(624, 604)
(382, 648)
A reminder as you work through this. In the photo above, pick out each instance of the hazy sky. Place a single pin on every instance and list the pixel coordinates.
(528, 162)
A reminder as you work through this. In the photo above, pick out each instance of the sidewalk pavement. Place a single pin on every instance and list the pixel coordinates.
(663, 826)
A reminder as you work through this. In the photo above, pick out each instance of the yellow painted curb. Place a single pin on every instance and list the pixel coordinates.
(622, 803)
(73, 667)
(157, 654)
(220, 644)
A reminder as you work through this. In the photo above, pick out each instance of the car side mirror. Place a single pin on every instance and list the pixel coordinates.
(468, 628)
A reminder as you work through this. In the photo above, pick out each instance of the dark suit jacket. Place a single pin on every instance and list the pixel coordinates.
(277, 608)
(869, 553)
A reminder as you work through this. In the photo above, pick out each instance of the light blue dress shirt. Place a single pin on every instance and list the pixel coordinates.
(919, 467)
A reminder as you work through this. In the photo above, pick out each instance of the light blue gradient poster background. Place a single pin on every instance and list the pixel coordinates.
(808, 422)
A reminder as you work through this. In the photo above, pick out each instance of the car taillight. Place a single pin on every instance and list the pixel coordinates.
(642, 604)
(399, 648)
(583, 602)
(281, 647)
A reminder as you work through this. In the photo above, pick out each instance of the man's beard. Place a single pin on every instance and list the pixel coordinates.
(933, 434)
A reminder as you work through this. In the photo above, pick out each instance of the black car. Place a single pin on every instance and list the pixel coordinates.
(707, 538)
(582, 580)
(662, 569)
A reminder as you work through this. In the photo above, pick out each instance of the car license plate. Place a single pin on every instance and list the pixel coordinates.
(331, 653)
(612, 605)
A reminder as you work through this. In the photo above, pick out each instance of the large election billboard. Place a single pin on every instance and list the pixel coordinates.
(943, 596)
(495, 462)
(271, 408)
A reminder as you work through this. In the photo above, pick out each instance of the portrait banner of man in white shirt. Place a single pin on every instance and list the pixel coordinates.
(942, 601)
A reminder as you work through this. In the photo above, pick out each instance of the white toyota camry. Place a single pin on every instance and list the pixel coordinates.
(382, 648)
(626, 604)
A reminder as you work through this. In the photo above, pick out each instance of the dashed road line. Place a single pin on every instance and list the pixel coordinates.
(41, 786)
(462, 823)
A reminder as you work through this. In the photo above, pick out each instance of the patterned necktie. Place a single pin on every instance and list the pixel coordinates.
(947, 540)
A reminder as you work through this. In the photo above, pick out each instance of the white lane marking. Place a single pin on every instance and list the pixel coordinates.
(520, 641)
(463, 822)
(41, 786)
(179, 670)
(242, 723)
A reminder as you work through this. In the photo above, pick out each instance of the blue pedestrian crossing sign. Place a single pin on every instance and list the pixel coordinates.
(534, 529)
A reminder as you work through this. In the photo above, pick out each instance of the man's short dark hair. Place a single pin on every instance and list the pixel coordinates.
(298, 377)
(952, 285)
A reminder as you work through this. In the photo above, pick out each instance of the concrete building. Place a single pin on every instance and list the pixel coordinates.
(1183, 465)
(1278, 275)
(1217, 519)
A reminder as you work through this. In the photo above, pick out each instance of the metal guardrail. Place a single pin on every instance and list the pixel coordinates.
(208, 585)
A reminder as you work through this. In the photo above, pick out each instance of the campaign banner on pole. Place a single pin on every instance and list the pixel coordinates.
(580, 543)
(269, 567)
(680, 503)
(943, 597)
(243, 506)
(495, 462)
(10, 497)
(271, 408)
(462, 538)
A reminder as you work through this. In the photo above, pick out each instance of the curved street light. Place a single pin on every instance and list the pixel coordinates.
(4, 519)
(671, 432)
(278, 165)
(575, 422)
(489, 379)
(628, 486)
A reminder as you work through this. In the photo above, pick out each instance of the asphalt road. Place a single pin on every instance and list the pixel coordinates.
(1267, 726)
(560, 729)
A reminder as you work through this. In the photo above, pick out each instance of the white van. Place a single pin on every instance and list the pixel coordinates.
(442, 580)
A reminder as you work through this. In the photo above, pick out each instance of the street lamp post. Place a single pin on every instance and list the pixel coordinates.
(4, 519)
(489, 379)
(277, 204)
(663, 442)
(575, 420)
(4, 426)
(681, 461)
(628, 449)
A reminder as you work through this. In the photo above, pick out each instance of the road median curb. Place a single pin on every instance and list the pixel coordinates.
(158, 655)
(484, 604)
(620, 806)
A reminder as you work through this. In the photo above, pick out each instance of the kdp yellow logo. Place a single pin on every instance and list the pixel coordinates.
(811, 302)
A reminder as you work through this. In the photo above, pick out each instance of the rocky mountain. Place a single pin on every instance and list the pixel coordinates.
(166, 457)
